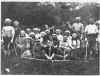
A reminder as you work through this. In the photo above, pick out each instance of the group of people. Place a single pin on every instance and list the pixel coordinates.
(50, 42)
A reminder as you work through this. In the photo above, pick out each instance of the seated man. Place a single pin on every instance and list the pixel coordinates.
(27, 52)
(46, 45)
(75, 46)
(59, 35)
(37, 33)
(20, 43)
(66, 45)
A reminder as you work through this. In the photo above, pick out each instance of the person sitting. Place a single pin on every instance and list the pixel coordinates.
(59, 35)
(37, 33)
(20, 43)
(28, 31)
(66, 44)
(75, 46)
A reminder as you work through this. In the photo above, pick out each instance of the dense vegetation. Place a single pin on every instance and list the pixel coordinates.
(33, 13)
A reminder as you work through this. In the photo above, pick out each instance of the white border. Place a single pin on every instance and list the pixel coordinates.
(81, 1)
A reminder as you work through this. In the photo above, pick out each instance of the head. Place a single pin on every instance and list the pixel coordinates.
(22, 33)
(98, 23)
(54, 35)
(64, 38)
(58, 31)
(16, 23)
(7, 21)
(32, 35)
(43, 34)
(78, 19)
(67, 33)
(47, 31)
(91, 21)
(36, 30)
(46, 26)
(28, 30)
(74, 35)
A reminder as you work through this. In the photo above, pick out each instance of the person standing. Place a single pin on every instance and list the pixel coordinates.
(91, 31)
(8, 33)
(78, 27)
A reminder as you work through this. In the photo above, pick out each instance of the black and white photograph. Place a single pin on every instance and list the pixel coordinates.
(50, 38)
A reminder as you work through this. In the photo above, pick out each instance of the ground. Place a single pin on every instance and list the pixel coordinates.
(34, 67)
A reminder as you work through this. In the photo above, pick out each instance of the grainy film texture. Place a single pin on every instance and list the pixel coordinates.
(50, 38)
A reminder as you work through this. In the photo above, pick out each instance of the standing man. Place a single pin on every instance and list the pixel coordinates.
(91, 31)
(78, 27)
(17, 28)
(8, 33)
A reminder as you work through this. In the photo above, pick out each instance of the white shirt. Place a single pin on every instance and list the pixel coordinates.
(77, 26)
(91, 29)
(75, 44)
(8, 31)
(67, 43)
(60, 37)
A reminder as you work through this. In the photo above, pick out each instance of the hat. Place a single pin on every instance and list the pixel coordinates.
(27, 37)
(78, 18)
(36, 29)
(54, 34)
(16, 22)
(7, 20)
(67, 31)
(28, 29)
(43, 33)
(22, 32)
(58, 30)
(32, 33)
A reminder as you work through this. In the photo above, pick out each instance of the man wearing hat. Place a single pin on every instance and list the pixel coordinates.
(8, 33)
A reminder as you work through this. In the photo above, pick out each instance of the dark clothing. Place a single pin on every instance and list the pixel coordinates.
(92, 42)
(6, 42)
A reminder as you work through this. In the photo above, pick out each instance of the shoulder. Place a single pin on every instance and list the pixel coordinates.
(87, 26)
(81, 24)
(94, 25)
(74, 24)
(10, 27)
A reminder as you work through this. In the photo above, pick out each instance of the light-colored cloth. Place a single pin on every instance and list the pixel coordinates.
(91, 29)
(77, 27)
(8, 31)
(37, 36)
(67, 43)
(26, 53)
(60, 37)
(75, 44)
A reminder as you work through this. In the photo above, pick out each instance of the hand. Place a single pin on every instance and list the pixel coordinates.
(11, 41)
(85, 39)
